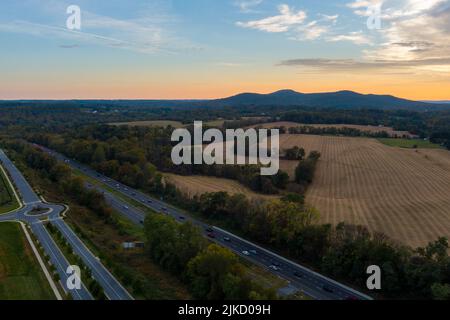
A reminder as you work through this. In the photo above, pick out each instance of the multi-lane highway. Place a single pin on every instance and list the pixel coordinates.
(311, 283)
(51, 212)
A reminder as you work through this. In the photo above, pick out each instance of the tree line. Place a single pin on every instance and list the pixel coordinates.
(343, 251)
(211, 272)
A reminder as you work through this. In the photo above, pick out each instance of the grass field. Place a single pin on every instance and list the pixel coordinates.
(8, 201)
(404, 193)
(195, 185)
(410, 143)
(156, 123)
(21, 277)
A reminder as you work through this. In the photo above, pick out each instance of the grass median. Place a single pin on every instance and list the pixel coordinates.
(21, 277)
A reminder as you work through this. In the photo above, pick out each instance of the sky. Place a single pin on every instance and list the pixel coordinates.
(197, 49)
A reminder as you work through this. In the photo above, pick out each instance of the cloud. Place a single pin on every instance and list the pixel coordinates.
(229, 64)
(355, 37)
(422, 32)
(246, 6)
(311, 31)
(148, 34)
(365, 66)
(69, 46)
(285, 21)
(329, 18)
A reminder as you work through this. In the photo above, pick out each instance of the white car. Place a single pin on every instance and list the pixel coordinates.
(274, 268)
(245, 253)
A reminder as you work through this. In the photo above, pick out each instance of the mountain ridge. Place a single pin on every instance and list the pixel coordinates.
(338, 99)
(344, 99)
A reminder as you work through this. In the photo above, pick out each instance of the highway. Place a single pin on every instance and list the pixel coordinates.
(311, 283)
(112, 288)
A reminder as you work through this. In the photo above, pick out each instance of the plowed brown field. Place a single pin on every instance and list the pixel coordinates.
(400, 192)
(196, 185)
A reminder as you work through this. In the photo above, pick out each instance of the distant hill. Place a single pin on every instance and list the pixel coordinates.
(282, 98)
(340, 99)
(437, 101)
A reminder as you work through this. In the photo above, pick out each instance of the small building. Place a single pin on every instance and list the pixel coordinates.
(133, 245)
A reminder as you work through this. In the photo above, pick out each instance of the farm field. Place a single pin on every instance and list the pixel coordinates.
(196, 185)
(370, 129)
(403, 193)
(156, 123)
(21, 276)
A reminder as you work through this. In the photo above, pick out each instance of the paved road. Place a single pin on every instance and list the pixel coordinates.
(311, 283)
(113, 289)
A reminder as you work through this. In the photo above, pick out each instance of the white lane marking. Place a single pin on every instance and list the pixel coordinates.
(65, 230)
(41, 263)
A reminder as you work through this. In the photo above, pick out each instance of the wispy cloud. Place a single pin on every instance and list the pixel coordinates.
(247, 6)
(283, 22)
(144, 34)
(415, 38)
(357, 37)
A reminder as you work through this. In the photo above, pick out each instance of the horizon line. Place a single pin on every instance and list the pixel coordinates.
(212, 99)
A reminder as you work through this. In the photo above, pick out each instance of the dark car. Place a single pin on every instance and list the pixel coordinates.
(209, 229)
(298, 274)
(277, 264)
(181, 218)
(327, 288)
(211, 235)
(226, 239)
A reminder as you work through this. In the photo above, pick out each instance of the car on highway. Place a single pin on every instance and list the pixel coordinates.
(211, 235)
(149, 201)
(276, 264)
(327, 288)
(245, 253)
(274, 268)
(126, 207)
(209, 229)
(226, 239)
(181, 218)
(253, 252)
(298, 274)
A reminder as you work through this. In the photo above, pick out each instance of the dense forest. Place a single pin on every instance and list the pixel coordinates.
(286, 224)
(56, 116)
(137, 156)
(209, 271)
